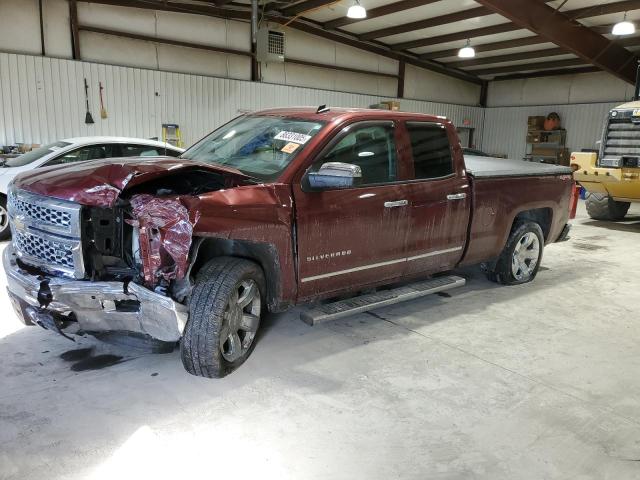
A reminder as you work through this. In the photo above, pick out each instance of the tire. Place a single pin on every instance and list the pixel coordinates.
(603, 207)
(520, 260)
(5, 231)
(220, 333)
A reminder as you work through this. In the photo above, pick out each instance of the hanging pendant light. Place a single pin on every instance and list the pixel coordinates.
(467, 51)
(357, 11)
(624, 27)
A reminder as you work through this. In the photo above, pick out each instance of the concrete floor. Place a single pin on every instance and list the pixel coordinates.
(539, 381)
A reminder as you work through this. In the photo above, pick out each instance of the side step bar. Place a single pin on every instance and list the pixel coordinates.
(370, 301)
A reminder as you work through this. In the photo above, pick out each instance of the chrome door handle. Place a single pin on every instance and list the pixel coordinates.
(397, 203)
(457, 196)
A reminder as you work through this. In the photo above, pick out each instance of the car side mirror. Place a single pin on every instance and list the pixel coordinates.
(335, 175)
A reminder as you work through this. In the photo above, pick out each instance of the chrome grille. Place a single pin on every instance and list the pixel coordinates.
(46, 232)
(50, 251)
(39, 213)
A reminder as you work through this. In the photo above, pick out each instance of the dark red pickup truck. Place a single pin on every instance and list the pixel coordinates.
(273, 209)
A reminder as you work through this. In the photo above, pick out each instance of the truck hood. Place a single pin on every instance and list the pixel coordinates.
(99, 183)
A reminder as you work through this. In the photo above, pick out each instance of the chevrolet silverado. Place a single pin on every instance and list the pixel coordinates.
(274, 209)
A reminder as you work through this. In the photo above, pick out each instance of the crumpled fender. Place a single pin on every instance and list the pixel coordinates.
(165, 234)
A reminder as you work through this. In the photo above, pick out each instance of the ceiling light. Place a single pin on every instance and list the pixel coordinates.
(357, 11)
(624, 27)
(467, 51)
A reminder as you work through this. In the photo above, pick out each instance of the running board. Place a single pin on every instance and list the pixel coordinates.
(370, 301)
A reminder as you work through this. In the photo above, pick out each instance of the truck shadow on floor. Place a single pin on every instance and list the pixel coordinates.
(629, 224)
(43, 374)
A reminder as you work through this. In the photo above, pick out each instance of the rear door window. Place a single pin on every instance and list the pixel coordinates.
(145, 151)
(90, 152)
(431, 150)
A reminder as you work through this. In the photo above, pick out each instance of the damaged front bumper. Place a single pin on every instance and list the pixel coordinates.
(92, 307)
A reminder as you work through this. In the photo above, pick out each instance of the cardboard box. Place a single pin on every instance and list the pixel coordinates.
(545, 151)
(555, 136)
(533, 137)
(536, 123)
(392, 105)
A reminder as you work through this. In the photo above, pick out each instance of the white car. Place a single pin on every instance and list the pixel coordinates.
(71, 150)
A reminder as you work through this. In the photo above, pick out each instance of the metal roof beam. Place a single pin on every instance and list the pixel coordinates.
(452, 37)
(547, 73)
(379, 12)
(559, 28)
(305, 6)
(529, 67)
(427, 23)
(488, 47)
(547, 52)
(583, 12)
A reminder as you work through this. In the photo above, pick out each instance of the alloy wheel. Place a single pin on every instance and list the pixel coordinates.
(240, 320)
(525, 256)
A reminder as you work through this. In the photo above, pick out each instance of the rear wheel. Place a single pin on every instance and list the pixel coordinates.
(603, 207)
(224, 316)
(5, 231)
(520, 260)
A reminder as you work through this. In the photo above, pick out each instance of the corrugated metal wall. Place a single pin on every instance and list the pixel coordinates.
(42, 100)
(506, 127)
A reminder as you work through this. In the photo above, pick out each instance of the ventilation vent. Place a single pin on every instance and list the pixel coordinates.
(271, 45)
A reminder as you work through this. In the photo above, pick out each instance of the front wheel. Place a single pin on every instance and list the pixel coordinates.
(520, 260)
(603, 207)
(5, 231)
(224, 316)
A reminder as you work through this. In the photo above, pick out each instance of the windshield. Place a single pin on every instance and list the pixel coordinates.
(258, 146)
(33, 155)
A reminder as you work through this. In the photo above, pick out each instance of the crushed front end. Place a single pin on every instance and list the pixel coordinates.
(78, 269)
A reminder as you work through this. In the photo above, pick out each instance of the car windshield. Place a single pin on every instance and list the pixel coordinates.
(259, 146)
(33, 155)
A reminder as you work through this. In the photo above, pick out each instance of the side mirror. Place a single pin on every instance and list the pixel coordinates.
(335, 175)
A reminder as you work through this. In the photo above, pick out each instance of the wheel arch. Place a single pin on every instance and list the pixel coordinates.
(264, 254)
(542, 216)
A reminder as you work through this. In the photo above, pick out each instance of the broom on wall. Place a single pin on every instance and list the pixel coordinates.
(103, 111)
(88, 119)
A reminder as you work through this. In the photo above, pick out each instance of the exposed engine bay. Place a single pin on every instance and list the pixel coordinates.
(147, 235)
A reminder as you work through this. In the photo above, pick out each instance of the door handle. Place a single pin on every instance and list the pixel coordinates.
(397, 203)
(456, 196)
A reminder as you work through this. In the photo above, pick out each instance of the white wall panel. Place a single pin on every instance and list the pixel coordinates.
(20, 26)
(505, 128)
(427, 85)
(42, 99)
(20, 33)
(556, 90)
(56, 28)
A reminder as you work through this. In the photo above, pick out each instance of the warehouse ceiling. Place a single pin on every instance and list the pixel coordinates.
(512, 38)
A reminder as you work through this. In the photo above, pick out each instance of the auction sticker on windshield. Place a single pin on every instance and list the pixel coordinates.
(300, 138)
(290, 147)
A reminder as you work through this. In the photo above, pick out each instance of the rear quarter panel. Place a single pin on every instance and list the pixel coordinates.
(497, 202)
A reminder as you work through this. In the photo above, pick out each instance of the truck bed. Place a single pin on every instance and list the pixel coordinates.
(489, 167)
